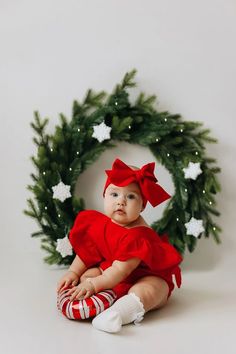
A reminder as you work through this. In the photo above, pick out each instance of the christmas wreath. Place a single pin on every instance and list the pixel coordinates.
(97, 124)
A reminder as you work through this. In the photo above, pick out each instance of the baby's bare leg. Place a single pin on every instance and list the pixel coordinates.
(147, 294)
(90, 273)
(152, 291)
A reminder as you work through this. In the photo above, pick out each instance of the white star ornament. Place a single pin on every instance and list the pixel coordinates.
(61, 191)
(101, 132)
(192, 171)
(64, 247)
(194, 227)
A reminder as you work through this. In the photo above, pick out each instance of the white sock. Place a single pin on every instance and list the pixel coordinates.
(127, 309)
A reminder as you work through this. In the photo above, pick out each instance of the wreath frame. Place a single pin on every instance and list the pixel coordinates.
(64, 155)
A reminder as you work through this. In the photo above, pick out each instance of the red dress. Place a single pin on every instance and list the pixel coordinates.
(98, 242)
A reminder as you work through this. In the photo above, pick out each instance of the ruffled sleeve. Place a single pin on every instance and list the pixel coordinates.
(145, 244)
(81, 236)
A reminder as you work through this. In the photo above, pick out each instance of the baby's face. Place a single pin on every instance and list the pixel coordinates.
(123, 204)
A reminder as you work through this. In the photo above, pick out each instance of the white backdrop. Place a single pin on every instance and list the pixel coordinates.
(53, 51)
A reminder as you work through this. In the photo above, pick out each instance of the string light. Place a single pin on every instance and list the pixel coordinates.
(77, 152)
(196, 153)
(129, 126)
(157, 139)
(70, 169)
(168, 154)
(186, 190)
(78, 129)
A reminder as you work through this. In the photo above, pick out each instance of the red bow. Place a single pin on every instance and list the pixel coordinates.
(121, 175)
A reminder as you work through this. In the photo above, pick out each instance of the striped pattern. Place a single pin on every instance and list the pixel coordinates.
(83, 309)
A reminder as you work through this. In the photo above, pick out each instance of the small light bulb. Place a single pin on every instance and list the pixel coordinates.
(214, 228)
(129, 126)
(165, 119)
(168, 154)
(70, 169)
(77, 152)
(46, 208)
(59, 215)
(177, 219)
(116, 103)
(157, 139)
(51, 149)
(210, 203)
(181, 130)
(44, 173)
(78, 129)
(203, 191)
(196, 153)
(186, 190)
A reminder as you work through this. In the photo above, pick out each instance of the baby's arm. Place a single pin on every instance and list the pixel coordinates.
(72, 276)
(107, 280)
(115, 274)
(78, 266)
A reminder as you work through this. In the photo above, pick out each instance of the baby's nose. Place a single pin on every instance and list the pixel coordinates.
(121, 200)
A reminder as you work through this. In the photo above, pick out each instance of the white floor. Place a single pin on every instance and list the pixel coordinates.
(200, 317)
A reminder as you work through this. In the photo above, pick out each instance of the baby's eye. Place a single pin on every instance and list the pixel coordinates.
(131, 196)
(114, 194)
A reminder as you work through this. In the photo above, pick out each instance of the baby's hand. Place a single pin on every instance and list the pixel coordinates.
(70, 278)
(82, 291)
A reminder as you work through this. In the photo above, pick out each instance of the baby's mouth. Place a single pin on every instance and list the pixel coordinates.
(120, 211)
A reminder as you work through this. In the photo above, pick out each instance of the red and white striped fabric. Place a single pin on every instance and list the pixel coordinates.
(83, 309)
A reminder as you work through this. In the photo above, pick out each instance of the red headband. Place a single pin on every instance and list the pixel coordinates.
(121, 175)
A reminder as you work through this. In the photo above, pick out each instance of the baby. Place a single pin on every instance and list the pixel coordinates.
(129, 257)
